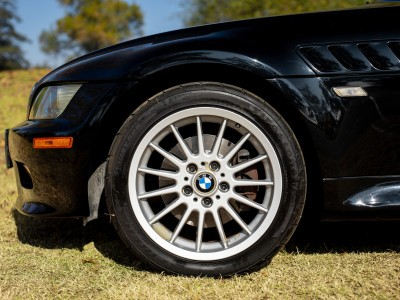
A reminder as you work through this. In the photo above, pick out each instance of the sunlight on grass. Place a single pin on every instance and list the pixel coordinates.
(59, 259)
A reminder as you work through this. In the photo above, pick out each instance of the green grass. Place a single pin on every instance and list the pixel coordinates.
(58, 259)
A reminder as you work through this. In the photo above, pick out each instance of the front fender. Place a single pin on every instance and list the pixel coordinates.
(230, 59)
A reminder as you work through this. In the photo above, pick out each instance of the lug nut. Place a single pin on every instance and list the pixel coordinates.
(207, 202)
(214, 166)
(187, 190)
(191, 168)
(223, 186)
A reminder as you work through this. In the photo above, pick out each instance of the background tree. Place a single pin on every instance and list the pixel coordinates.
(11, 56)
(90, 25)
(211, 11)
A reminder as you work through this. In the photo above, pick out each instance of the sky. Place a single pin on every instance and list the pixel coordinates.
(37, 15)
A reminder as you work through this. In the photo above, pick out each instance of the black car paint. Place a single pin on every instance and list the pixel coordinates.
(118, 78)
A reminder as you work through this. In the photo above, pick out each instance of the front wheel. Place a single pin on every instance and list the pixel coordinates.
(205, 179)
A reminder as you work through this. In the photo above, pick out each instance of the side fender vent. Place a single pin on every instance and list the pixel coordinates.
(395, 48)
(357, 57)
(380, 56)
(349, 57)
(321, 59)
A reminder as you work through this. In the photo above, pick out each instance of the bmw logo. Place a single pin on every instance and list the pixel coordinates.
(205, 183)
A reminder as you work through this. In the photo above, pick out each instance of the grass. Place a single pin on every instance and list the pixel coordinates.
(58, 259)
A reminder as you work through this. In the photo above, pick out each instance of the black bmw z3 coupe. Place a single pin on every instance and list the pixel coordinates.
(207, 143)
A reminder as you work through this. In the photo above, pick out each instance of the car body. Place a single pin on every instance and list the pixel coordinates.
(227, 125)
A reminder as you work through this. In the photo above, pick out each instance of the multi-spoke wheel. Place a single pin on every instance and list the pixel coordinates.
(205, 179)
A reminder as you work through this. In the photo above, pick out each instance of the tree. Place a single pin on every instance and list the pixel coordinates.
(199, 12)
(11, 55)
(90, 25)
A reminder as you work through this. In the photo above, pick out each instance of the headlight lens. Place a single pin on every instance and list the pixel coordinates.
(52, 101)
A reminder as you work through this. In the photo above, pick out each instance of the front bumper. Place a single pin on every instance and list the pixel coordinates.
(54, 182)
(50, 182)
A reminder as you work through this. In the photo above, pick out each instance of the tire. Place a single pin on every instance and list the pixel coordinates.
(221, 204)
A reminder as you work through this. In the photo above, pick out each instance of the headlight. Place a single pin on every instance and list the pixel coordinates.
(52, 101)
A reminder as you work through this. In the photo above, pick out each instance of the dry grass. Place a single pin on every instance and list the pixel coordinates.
(58, 259)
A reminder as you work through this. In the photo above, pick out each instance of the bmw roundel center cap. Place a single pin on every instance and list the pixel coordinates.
(205, 183)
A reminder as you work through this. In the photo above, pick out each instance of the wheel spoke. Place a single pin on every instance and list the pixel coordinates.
(200, 228)
(220, 229)
(188, 153)
(237, 218)
(248, 202)
(172, 158)
(176, 203)
(237, 147)
(218, 140)
(248, 163)
(182, 223)
(160, 173)
(200, 139)
(252, 183)
(159, 192)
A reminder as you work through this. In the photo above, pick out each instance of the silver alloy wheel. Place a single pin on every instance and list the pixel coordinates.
(205, 183)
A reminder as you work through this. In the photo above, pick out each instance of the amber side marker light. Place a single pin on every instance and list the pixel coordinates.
(53, 143)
